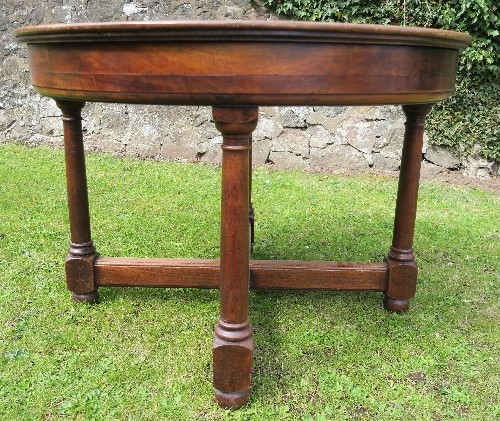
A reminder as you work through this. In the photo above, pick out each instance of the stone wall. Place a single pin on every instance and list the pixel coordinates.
(331, 138)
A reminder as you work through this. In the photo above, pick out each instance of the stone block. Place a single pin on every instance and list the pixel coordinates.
(481, 168)
(295, 141)
(441, 156)
(260, 151)
(284, 159)
(338, 157)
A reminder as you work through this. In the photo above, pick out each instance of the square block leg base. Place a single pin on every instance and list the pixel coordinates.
(232, 369)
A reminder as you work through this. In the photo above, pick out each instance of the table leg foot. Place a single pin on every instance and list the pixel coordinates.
(80, 273)
(233, 400)
(232, 364)
(402, 281)
(89, 298)
(396, 306)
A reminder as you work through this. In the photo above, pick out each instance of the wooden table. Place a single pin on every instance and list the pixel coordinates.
(236, 66)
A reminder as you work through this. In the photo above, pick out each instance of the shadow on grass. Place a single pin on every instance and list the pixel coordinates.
(284, 349)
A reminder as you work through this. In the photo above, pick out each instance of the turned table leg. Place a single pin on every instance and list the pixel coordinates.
(403, 269)
(80, 260)
(232, 349)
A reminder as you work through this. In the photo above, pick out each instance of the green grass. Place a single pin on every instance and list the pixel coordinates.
(145, 354)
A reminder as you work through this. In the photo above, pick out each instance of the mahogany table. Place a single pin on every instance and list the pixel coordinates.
(236, 66)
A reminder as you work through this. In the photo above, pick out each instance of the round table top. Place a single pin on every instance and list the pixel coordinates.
(243, 62)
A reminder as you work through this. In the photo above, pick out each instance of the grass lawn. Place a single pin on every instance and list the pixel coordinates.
(145, 354)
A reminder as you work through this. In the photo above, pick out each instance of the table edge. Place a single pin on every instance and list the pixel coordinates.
(243, 31)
